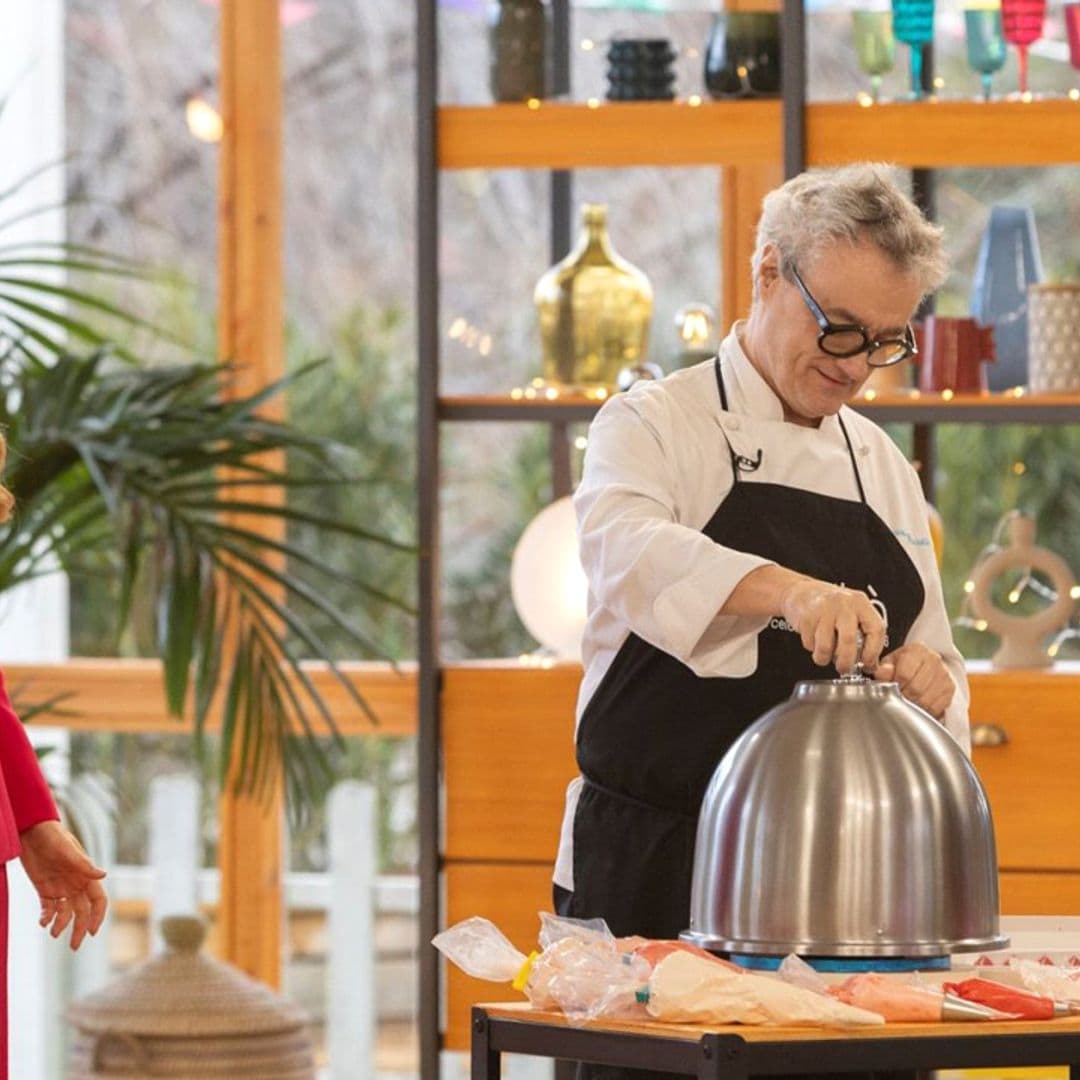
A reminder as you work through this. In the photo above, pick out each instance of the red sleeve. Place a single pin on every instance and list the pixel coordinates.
(28, 792)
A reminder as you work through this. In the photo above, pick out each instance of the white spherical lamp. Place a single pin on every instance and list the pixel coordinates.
(547, 583)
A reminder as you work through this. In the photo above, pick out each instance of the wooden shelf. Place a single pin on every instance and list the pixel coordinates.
(946, 134)
(973, 409)
(575, 136)
(913, 409)
(559, 135)
(567, 408)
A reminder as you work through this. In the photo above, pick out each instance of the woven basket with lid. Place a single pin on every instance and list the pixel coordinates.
(187, 1016)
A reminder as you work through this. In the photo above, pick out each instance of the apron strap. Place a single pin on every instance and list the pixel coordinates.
(736, 458)
(629, 800)
(851, 454)
(724, 406)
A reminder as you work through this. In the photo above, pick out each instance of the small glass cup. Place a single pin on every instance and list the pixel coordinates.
(875, 45)
(985, 43)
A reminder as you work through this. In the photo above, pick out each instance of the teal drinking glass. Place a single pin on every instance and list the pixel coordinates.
(985, 43)
(875, 45)
(913, 24)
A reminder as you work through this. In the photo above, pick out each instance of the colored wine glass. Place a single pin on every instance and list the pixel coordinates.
(875, 45)
(913, 24)
(985, 43)
(1072, 28)
(1022, 22)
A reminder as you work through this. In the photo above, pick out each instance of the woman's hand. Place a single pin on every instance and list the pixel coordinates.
(829, 619)
(65, 878)
(923, 677)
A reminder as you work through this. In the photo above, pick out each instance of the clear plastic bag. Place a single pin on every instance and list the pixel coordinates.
(480, 949)
(581, 968)
(1060, 983)
(588, 979)
(796, 971)
(555, 928)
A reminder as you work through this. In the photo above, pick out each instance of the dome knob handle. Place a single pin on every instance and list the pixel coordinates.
(857, 674)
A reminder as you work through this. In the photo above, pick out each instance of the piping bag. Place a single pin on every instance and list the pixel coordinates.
(898, 1000)
(1022, 1004)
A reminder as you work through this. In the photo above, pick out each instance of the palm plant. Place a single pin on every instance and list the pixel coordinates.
(163, 472)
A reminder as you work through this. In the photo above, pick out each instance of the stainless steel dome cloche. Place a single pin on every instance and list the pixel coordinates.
(845, 822)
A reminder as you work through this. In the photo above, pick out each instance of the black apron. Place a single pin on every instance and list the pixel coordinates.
(653, 732)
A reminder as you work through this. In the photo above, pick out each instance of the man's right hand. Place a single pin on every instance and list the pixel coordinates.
(829, 619)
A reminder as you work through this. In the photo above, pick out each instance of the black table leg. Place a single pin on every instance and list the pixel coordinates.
(486, 1063)
(723, 1058)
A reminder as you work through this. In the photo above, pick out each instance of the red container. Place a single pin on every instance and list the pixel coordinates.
(952, 354)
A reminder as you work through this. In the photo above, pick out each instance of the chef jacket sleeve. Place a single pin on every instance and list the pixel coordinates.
(932, 626)
(27, 790)
(663, 578)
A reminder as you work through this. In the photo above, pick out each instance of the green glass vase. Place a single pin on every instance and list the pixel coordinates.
(594, 310)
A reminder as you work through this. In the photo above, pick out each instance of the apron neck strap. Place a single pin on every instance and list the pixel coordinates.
(735, 469)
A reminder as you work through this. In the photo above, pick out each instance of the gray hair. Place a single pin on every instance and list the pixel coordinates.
(858, 203)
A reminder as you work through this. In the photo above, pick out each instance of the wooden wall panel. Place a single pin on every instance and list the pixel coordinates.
(510, 896)
(1039, 894)
(508, 754)
(1032, 780)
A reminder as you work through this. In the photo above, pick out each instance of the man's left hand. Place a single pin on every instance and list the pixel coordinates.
(923, 677)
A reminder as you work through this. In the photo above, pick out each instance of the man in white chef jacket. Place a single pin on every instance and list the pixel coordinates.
(740, 529)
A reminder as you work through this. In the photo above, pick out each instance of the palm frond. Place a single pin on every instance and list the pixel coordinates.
(159, 468)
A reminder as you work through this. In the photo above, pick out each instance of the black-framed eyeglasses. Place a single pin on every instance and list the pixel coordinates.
(849, 339)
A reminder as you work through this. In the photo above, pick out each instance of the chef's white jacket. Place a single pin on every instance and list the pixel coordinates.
(656, 469)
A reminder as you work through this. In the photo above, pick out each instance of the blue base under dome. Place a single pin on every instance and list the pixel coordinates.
(848, 964)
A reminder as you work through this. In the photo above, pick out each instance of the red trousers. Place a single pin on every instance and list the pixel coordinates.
(3, 972)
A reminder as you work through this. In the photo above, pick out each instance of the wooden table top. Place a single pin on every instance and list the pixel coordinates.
(764, 1033)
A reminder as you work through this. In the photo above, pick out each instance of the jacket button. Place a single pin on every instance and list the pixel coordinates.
(733, 424)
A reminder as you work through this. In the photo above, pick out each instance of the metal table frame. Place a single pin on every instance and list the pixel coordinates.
(726, 1056)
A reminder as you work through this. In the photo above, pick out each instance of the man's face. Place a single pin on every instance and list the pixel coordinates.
(853, 284)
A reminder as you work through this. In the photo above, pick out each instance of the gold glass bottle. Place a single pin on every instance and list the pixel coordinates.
(594, 310)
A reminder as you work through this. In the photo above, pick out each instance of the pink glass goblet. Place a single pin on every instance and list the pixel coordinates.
(1022, 21)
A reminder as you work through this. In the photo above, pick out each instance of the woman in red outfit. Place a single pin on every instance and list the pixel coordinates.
(67, 881)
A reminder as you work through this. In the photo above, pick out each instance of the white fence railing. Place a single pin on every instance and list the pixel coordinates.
(352, 896)
(173, 883)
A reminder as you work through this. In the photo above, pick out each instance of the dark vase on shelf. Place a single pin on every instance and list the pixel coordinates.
(743, 55)
(1009, 262)
(517, 37)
